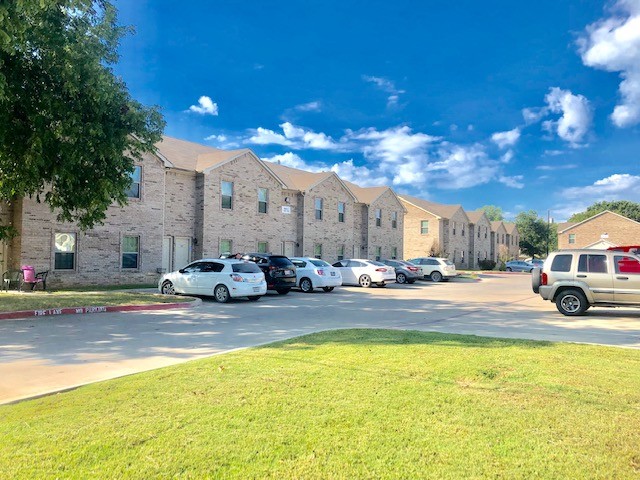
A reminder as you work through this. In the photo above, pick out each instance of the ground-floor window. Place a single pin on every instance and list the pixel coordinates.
(130, 252)
(394, 253)
(64, 251)
(378, 253)
(263, 247)
(225, 246)
(341, 252)
(317, 250)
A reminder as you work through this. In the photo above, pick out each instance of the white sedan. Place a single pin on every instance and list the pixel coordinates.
(221, 278)
(358, 271)
(315, 273)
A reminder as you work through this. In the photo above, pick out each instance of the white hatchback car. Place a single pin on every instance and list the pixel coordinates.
(315, 273)
(221, 278)
(358, 271)
(437, 269)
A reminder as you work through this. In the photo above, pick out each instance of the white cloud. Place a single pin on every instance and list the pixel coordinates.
(507, 156)
(613, 44)
(506, 139)
(386, 86)
(393, 144)
(293, 160)
(222, 141)
(205, 106)
(615, 187)
(534, 115)
(513, 182)
(576, 117)
(463, 167)
(308, 107)
(360, 175)
(551, 168)
(264, 136)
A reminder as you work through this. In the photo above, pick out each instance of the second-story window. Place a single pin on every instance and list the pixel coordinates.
(454, 228)
(462, 230)
(319, 209)
(227, 194)
(134, 189)
(341, 211)
(486, 229)
(424, 227)
(378, 217)
(394, 219)
(572, 238)
(263, 200)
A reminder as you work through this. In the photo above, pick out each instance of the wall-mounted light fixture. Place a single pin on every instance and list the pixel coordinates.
(195, 241)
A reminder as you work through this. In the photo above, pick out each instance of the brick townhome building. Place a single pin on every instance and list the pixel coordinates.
(604, 230)
(479, 237)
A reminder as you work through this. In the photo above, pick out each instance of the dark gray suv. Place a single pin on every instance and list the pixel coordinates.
(279, 271)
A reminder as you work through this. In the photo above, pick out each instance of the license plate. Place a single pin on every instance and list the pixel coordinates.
(256, 289)
(288, 272)
(333, 274)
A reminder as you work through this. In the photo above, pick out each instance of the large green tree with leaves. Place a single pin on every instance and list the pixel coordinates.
(69, 129)
(536, 235)
(623, 207)
(493, 213)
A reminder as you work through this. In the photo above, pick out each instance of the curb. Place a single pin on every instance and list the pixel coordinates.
(85, 310)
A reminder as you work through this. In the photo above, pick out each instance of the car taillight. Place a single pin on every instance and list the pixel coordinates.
(320, 271)
(237, 278)
(413, 269)
(381, 269)
(543, 278)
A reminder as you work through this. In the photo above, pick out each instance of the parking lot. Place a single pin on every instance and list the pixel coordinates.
(39, 355)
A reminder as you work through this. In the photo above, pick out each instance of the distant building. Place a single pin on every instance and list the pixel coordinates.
(604, 230)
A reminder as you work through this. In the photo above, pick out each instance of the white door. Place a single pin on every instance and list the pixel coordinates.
(182, 250)
(288, 249)
(167, 257)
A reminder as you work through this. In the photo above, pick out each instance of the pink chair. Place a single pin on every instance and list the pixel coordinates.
(30, 277)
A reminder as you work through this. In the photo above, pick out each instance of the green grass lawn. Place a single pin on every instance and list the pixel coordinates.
(346, 404)
(36, 300)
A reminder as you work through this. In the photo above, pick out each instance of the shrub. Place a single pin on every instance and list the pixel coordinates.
(486, 264)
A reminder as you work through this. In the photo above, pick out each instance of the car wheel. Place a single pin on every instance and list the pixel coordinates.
(411, 282)
(508, 269)
(401, 278)
(571, 302)
(221, 294)
(254, 298)
(167, 288)
(365, 281)
(436, 276)
(305, 285)
(283, 291)
(381, 284)
(535, 280)
(327, 289)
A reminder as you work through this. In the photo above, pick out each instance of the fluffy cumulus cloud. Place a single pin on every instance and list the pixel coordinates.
(205, 106)
(506, 139)
(461, 166)
(264, 136)
(386, 86)
(293, 160)
(308, 107)
(613, 44)
(576, 115)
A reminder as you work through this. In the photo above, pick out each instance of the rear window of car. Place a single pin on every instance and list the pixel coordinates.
(448, 262)
(592, 263)
(320, 263)
(561, 263)
(281, 262)
(247, 267)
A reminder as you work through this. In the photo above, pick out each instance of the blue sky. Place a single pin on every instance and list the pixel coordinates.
(524, 105)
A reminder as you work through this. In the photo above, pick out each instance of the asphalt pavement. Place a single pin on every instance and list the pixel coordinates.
(40, 355)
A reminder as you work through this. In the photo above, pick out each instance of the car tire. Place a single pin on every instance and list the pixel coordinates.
(436, 276)
(254, 298)
(381, 284)
(364, 281)
(508, 269)
(327, 289)
(221, 294)
(306, 286)
(411, 282)
(535, 279)
(167, 288)
(283, 291)
(571, 302)
(401, 278)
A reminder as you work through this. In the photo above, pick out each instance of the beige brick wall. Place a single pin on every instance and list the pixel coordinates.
(513, 242)
(500, 244)
(457, 245)
(415, 243)
(385, 236)
(328, 232)
(481, 241)
(244, 225)
(620, 231)
(98, 251)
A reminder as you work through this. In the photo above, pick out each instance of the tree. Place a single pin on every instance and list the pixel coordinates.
(623, 207)
(493, 213)
(69, 130)
(534, 233)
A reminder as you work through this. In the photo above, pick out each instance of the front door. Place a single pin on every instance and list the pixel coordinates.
(288, 249)
(167, 257)
(182, 251)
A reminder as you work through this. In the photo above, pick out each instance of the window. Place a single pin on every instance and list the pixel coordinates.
(263, 200)
(503, 238)
(225, 246)
(478, 232)
(213, 267)
(394, 253)
(572, 238)
(424, 227)
(394, 219)
(462, 230)
(134, 188)
(318, 209)
(130, 252)
(65, 251)
(227, 195)
(592, 263)
(263, 247)
(341, 211)
(341, 252)
(561, 263)
(627, 265)
(454, 228)
(317, 250)
(486, 229)
(378, 253)
(378, 217)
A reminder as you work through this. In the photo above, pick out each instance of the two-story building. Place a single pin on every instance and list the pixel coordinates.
(604, 230)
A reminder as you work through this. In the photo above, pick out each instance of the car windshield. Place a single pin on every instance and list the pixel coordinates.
(281, 262)
(448, 262)
(246, 267)
(320, 263)
(377, 264)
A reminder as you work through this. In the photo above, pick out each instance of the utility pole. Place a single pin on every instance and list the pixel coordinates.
(548, 229)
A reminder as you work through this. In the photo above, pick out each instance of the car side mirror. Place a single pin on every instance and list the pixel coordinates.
(182, 270)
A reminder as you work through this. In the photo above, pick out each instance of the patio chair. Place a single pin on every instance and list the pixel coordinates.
(29, 277)
(12, 279)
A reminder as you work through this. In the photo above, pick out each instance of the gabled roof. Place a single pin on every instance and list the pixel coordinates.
(495, 225)
(596, 216)
(476, 215)
(437, 209)
(193, 156)
(302, 180)
(510, 227)
(565, 225)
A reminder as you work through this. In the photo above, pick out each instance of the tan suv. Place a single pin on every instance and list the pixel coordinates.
(578, 279)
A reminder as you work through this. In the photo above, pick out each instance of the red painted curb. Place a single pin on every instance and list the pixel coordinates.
(83, 310)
